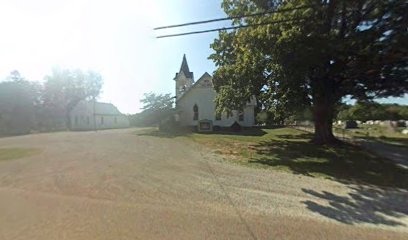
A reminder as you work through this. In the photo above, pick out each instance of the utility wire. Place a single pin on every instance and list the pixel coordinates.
(229, 28)
(236, 17)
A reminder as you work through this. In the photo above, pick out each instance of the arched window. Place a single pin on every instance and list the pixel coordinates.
(217, 115)
(195, 110)
(241, 116)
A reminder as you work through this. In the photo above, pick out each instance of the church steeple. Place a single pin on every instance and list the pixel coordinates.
(185, 69)
(184, 65)
(184, 78)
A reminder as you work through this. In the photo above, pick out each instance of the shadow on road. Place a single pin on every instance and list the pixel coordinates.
(395, 153)
(345, 163)
(362, 205)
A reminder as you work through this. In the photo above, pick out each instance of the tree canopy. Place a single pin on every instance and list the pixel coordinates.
(156, 107)
(29, 105)
(64, 88)
(19, 100)
(365, 111)
(312, 56)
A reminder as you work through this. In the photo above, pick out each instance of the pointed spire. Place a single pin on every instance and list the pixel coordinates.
(184, 68)
(184, 65)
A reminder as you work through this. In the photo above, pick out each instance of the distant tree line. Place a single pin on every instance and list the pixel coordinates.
(361, 110)
(44, 106)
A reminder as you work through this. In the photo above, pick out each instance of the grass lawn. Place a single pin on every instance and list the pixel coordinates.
(378, 133)
(289, 150)
(16, 153)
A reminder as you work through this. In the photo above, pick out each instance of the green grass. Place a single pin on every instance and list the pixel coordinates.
(16, 153)
(289, 150)
(378, 133)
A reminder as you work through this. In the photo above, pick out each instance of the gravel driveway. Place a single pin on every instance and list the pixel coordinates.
(115, 184)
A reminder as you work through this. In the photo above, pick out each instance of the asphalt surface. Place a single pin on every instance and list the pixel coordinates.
(116, 184)
(398, 154)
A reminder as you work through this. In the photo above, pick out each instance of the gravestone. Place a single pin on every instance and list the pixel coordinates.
(350, 124)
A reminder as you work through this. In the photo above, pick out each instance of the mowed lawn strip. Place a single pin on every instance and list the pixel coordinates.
(378, 133)
(289, 150)
(16, 153)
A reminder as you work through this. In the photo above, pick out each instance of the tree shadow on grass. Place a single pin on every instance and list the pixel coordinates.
(165, 134)
(363, 204)
(345, 163)
(244, 132)
(294, 136)
(187, 131)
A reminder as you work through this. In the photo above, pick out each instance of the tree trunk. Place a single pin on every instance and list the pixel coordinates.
(323, 123)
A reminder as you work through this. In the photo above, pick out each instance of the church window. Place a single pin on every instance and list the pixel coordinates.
(76, 120)
(217, 116)
(87, 120)
(102, 120)
(241, 116)
(115, 120)
(195, 110)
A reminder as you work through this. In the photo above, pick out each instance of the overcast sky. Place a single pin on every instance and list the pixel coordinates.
(112, 37)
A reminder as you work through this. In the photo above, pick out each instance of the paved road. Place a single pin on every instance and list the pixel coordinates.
(118, 185)
(397, 154)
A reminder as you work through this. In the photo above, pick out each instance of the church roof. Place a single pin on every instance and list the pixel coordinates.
(206, 75)
(106, 108)
(101, 108)
(185, 69)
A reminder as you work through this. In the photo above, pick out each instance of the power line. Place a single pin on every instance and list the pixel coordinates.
(236, 17)
(229, 28)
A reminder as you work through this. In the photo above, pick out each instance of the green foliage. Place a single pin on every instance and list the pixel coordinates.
(19, 100)
(152, 101)
(156, 108)
(63, 89)
(365, 111)
(27, 105)
(287, 149)
(328, 51)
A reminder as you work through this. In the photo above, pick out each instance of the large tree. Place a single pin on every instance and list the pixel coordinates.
(314, 55)
(64, 88)
(19, 101)
(156, 107)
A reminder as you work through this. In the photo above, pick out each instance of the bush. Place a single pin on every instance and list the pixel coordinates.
(169, 125)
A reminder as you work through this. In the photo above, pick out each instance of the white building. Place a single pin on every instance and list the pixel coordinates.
(195, 102)
(90, 115)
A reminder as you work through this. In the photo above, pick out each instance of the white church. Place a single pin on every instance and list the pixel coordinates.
(196, 107)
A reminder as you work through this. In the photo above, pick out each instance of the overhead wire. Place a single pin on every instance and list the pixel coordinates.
(231, 18)
(229, 28)
(235, 17)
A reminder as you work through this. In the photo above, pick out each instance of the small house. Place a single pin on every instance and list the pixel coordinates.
(91, 115)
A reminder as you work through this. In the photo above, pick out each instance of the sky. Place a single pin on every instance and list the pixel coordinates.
(115, 38)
